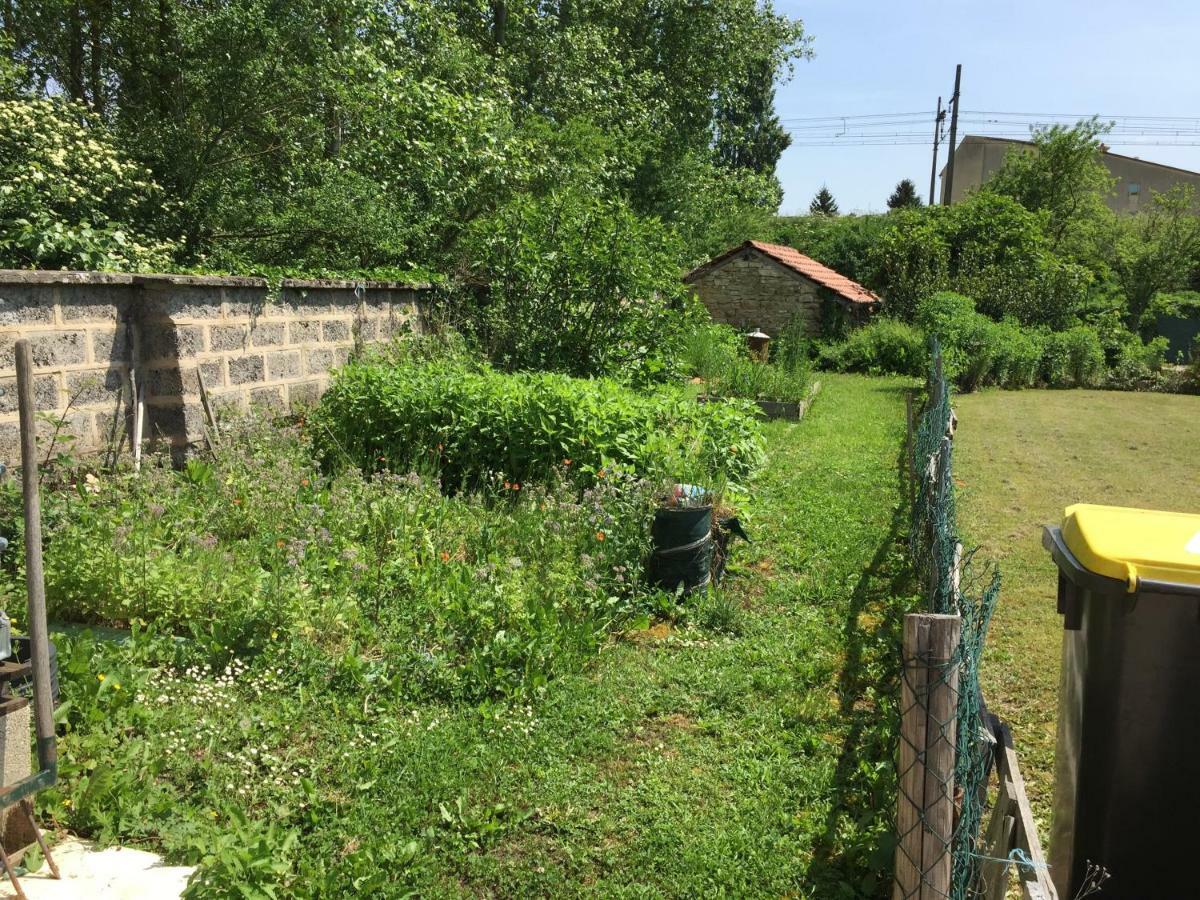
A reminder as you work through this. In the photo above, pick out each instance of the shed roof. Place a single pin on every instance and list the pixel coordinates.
(789, 258)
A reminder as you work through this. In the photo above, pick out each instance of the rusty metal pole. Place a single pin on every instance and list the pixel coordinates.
(43, 708)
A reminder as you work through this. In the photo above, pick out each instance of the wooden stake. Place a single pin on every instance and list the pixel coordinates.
(139, 417)
(43, 708)
(208, 410)
(928, 736)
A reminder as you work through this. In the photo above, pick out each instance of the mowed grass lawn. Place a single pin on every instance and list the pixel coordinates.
(1021, 457)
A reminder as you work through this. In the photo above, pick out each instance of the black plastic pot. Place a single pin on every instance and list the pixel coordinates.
(689, 566)
(22, 650)
(675, 526)
(683, 548)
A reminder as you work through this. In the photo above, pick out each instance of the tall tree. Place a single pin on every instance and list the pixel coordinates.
(367, 133)
(748, 132)
(823, 203)
(1158, 250)
(1062, 174)
(905, 195)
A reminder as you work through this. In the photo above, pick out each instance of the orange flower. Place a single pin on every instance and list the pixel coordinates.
(279, 543)
(445, 556)
(237, 501)
(566, 462)
(600, 474)
(599, 535)
(304, 482)
(516, 486)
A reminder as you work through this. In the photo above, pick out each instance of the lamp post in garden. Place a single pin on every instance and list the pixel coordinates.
(757, 341)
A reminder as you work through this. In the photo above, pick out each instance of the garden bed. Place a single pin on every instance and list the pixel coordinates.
(477, 699)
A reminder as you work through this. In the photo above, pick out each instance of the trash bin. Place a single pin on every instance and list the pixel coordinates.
(1127, 763)
(682, 536)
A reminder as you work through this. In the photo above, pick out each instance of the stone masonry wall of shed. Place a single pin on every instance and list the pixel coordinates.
(90, 331)
(754, 292)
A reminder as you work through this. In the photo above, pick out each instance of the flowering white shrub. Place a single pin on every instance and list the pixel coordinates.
(69, 198)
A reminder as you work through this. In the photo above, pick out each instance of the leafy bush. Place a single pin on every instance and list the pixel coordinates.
(980, 352)
(574, 284)
(1137, 364)
(966, 336)
(69, 198)
(883, 346)
(473, 425)
(1073, 358)
(718, 355)
(709, 349)
(1184, 304)
(463, 597)
(987, 246)
(1017, 355)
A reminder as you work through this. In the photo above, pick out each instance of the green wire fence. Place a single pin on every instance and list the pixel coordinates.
(937, 853)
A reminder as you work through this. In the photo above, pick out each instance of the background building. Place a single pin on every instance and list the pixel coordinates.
(979, 157)
(769, 286)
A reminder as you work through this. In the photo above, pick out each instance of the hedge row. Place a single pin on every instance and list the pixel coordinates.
(470, 423)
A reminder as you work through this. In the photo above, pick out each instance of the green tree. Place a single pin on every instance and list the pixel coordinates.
(1062, 175)
(987, 247)
(904, 195)
(1157, 250)
(823, 203)
(749, 134)
(355, 134)
(571, 283)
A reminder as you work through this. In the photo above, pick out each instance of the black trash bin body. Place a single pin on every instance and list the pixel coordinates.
(1127, 761)
(683, 547)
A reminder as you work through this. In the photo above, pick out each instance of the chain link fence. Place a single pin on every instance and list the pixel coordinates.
(947, 742)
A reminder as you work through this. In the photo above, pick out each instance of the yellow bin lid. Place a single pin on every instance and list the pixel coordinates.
(1134, 544)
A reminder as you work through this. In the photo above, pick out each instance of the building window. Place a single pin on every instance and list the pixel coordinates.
(1135, 196)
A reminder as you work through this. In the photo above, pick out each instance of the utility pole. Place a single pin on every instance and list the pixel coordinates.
(937, 133)
(947, 197)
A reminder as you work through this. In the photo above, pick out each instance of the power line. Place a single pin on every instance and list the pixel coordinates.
(923, 140)
(1029, 116)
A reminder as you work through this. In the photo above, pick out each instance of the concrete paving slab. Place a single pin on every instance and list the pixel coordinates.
(116, 873)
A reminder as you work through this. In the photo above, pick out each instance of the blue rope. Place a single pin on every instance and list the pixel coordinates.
(1017, 857)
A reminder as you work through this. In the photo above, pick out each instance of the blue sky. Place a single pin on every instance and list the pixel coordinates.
(1053, 56)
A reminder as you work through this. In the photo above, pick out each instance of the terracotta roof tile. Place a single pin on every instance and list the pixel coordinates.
(792, 259)
(822, 275)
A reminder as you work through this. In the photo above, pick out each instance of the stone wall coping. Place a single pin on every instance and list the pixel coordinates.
(61, 276)
(66, 276)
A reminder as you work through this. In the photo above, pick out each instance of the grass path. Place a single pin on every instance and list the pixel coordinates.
(1021, 457)
(690, 762)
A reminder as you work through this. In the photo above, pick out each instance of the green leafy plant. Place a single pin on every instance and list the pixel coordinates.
(475, 426)
(70, 198)
(575, 284)
(717, 355)
(885, 346)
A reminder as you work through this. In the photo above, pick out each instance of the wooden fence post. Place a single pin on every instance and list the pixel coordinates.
(928, 735)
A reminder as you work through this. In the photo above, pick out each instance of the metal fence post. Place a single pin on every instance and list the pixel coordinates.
(928, 737)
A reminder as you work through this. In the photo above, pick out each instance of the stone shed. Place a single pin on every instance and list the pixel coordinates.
(769, 286)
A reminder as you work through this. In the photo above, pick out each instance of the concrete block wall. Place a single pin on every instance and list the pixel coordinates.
(753, 292)
(90, 332)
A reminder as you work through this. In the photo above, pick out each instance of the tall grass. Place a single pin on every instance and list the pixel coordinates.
(717, 355)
